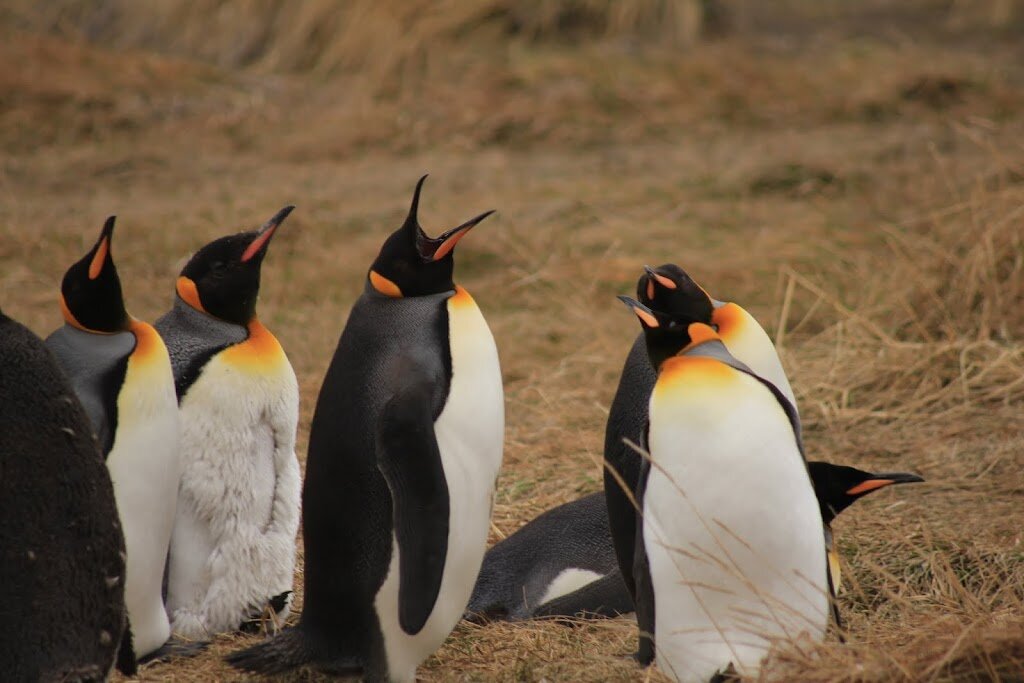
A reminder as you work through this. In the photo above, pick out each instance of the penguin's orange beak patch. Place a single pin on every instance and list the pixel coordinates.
(646, 317)
(257, 244)
(449, 244)
(663, 281)
(384, 285)
(869, 485)
(99, 258)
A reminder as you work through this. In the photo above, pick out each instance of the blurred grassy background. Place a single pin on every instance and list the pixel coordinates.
(849, 172)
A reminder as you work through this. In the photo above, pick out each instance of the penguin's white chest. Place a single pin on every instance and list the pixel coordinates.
(470, 434)
(145, 469)
(731, 525)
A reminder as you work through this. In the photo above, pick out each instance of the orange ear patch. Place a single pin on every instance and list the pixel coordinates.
(384, 285)
(189, 294)
(869, 485)
(99, 258)
(700, 333)
(729, 318)
(650, 289)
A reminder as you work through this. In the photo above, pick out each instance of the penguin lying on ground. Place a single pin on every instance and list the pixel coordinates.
(404, 451)
(121, 373)
(562, 564)
(62, 563)
(233, 545)
(730, 555)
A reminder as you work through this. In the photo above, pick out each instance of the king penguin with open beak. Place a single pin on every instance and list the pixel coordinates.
(121, 372)
(404, 450)
(233, 547)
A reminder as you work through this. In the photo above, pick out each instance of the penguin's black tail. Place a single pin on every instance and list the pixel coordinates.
(289, 650)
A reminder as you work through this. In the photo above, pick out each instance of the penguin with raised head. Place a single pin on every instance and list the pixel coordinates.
(729, 538)
(669, 289)
(62, 563)
(404, 451)
(233, 546)
(562, 563)
(121, 373)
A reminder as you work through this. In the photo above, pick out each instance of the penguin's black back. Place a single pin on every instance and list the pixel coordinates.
(61, 546)
(346, 504)
(627, 419)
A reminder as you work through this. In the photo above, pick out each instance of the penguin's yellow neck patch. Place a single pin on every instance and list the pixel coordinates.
(260, 352)
(69, 317)
(188, 292)
(147, 340)
(98, 259)
(384, 285)
(461, 298)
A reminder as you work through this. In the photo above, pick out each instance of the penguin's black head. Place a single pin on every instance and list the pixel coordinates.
(223, 278)
(91, 297)
(412, 264)
(669, 289)
(667, 334)
(839, 486)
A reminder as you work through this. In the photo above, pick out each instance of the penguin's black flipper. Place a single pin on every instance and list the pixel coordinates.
(605, 597)
(642, 576)
(410, 460)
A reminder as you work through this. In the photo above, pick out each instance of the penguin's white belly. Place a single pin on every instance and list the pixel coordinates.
(470, 434)
(145, 469)
(222, 561)
(568, 581)
(732, 532)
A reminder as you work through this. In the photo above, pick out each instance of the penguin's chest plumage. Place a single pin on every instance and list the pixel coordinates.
(731, 527)
(469, 432)
(226, 428)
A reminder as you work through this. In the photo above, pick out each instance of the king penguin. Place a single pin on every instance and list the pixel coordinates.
(562, 563)
(121, 373)
(233, 545)
(729, 539)
(62, 563)
(669, 289)
(404, 451)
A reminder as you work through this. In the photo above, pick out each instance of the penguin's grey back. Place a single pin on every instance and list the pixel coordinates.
(61, 545)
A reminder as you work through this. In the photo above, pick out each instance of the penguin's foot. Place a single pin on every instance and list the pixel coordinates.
(175, 648)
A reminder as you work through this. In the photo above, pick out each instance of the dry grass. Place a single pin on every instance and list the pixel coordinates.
(857, 187)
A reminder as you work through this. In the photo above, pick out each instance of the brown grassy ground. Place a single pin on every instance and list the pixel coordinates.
(854, 181)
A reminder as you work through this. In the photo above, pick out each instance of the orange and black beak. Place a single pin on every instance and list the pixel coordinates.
(878, 481)
(264, 234)
(435, 249)
(647, 317)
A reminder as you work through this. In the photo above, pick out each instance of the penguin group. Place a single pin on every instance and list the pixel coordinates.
(150, 493)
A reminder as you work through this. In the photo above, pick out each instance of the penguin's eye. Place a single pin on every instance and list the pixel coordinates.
(218, 267)
(714, 326)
